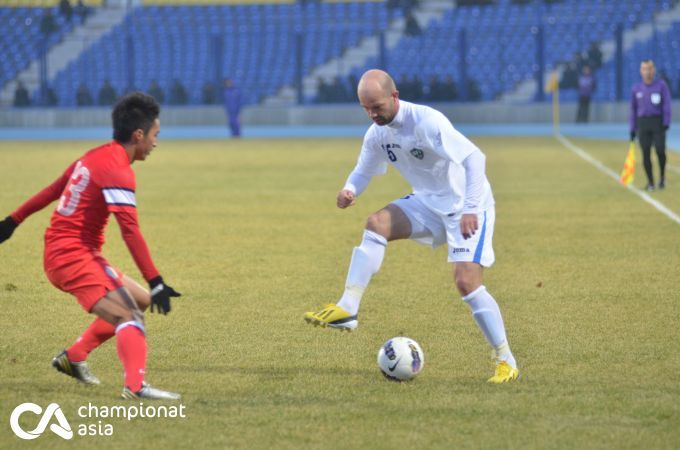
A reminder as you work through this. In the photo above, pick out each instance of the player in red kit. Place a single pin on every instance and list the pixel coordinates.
(102, 182)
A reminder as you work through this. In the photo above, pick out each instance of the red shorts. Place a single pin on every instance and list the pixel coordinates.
(86, 275)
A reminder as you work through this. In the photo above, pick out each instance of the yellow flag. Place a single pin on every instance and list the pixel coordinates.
(628, 172)
(552, 84)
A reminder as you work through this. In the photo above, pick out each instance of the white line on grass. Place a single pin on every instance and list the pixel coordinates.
(672, 168)
(607, 171)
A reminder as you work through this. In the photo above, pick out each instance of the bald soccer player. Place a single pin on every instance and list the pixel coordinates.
(451, 202)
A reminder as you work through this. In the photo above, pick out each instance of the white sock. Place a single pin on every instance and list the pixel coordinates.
(486, 313)
(366, 260)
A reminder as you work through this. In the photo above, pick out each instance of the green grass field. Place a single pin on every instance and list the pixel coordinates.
(587, 276)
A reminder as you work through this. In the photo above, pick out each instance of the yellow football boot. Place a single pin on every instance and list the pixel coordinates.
(504, 373)
(332, 316)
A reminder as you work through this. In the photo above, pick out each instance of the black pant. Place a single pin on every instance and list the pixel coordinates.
(650, 130)
(583, 109)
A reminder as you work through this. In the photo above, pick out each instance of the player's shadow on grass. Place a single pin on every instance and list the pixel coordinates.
(268, 371)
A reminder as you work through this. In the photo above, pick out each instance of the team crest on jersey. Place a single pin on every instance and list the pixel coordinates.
(417, 153)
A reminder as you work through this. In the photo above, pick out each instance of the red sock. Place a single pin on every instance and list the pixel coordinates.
(96, 334)
(131, 346)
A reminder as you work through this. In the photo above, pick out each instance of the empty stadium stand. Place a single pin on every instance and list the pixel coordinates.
(256, 44)
(502, 39)
(22, 39)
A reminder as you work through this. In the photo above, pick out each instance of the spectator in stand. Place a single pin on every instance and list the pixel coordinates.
(448, 89)
(474, 94)
(129, 89)
(232, 106)
(486, 2)
(65, 9)
(47, 23)
(594, 56)
(21, 97)
(178, 94)
(409, 5)
(156, 92)
(83, 96)
(433, 90)
(417, 89)
(50, 97)
(586, 87)
(664, 76)
(353, 84)
(404, 5)
(107, 94)
(405, 91)
(209, 95)
(412, 27)
(413, 87)
(82, 11)
(569, 76)
(580, 61)
(442, 91)
(339, 91)
(323, 94)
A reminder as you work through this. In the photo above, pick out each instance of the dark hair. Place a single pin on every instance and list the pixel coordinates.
(132, 112)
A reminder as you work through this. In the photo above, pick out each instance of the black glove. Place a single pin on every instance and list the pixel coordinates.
(632, 135)
(7, 227)
(160, 295)
(666, 127)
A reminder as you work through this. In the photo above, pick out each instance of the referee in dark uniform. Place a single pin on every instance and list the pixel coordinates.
(650, 117)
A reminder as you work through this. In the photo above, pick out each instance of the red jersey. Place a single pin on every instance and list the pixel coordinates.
(101, 182)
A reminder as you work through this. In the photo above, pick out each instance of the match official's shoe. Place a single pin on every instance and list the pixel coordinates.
(504, 373)
(662, 184)
(649, 187)
(78, 370)
(332, 316)
(150, 393)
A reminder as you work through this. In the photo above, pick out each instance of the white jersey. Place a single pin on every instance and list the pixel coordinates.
(428, 151)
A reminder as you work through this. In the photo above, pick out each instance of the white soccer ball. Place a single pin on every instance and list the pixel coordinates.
(401, 359)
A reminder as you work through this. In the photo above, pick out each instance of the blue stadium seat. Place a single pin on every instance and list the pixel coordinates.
(258, 44)
(21, 38)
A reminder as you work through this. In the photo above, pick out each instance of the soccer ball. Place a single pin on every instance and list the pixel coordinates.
(401, 359)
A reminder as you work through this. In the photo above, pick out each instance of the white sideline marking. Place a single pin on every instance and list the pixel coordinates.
(607, 171)
(672, 168)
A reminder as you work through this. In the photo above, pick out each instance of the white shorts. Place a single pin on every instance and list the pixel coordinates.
(431, 228)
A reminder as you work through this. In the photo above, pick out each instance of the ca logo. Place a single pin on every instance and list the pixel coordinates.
(63, 429)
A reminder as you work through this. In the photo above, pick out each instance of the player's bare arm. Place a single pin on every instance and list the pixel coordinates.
(346, 198)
